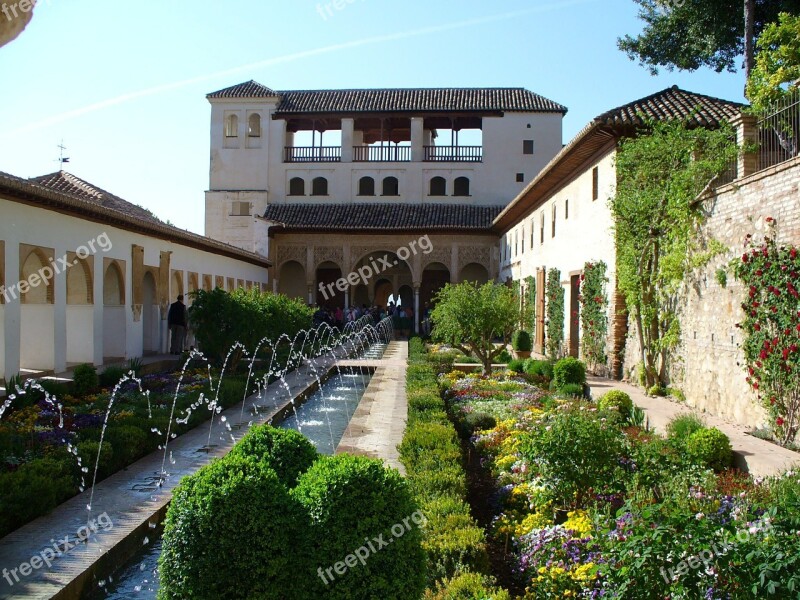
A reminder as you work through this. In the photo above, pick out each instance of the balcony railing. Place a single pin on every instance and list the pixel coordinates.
(453, 153)
(779, 132)
(382, 154)
(312, 154)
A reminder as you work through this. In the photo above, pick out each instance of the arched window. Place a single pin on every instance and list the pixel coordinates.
(232, 126)
(297, 186)
(391, 187)
(366, 186)
(461, 186)
(438, 186)
(254, 125)
(319, 187)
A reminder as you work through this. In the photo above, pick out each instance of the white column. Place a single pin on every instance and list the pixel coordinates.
(12, 312)
(417, 139)
(348, 126)
(97, 312)
(416, 309)
(311, 299)
(347, 299)
(60, 317)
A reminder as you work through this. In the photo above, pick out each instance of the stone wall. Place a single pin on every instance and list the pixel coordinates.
(709, 362)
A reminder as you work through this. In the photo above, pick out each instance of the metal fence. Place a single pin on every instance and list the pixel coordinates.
(779, 131)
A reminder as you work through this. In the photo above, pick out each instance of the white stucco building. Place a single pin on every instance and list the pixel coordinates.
(86, 277)
(323, 181)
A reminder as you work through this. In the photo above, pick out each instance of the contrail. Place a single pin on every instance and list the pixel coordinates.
(369, 41)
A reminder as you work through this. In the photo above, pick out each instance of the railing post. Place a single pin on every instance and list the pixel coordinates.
(746, 128)
(417, 139)
(348, 127)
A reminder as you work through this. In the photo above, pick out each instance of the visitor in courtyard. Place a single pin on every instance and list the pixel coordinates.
(177, 322)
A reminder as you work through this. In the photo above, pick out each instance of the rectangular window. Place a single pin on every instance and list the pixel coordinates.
(542, 229)
(566, 209)
(240, 209)
(516, 243)
(533, 233)
(527, 146)
(520, 177)
(554, 221)
(522, 240)
(595, 183)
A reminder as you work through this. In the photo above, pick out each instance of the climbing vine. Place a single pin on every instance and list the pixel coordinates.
(594, 313)
(660, 175)
(554, 292)
(771, 328)
(529, 316)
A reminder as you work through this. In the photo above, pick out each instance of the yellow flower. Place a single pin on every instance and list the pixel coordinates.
(579, 523)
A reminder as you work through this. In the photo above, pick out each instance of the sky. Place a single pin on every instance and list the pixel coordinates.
(123, 83)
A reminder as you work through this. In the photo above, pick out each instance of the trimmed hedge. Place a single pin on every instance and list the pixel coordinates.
(569, 371)
(619, 401)
(710, 447)
(354, 501)
(454, 544)
(469, 586)
(233, 530)
(288, 452)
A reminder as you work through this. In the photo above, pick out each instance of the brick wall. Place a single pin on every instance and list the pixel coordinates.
(709, 362)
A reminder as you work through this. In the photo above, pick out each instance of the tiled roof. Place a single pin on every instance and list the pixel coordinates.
(397, 100)
(71, 195)
(670, 104)
(249, 89)
(67, 183)
(383, 217)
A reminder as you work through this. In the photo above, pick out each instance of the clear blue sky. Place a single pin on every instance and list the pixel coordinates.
(123, 83)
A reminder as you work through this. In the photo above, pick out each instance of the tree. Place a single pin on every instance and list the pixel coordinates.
(690, 34)
(660, 175)
(777, 67)
(470, 317)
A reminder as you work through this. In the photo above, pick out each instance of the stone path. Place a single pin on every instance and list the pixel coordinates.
(131, 501)
(379, 422)
(759, 457)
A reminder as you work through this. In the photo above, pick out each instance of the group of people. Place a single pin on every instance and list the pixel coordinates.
(402, 317)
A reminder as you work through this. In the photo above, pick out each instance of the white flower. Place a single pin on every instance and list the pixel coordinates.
(699, 516)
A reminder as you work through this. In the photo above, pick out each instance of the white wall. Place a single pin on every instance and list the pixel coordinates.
(41, 345)
(80, 334)
(587, 234)
(114, 331)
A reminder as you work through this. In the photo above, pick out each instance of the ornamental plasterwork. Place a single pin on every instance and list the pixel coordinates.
(332, 254)
(474, 254)
(287, 253)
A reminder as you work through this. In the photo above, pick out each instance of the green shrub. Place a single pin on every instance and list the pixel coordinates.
(455, 547)
(467, 586)
(432, 483)
(572, 476)
(571, 390)
(442, 362)
(286, 451)
(234, 531)
(416, 347)
(517, 365)
(35, 489)
(503, 358)
(129, 443)
(85, 380)
(474, 422)
(569, 370)
(539, 368)
(658, 391)
(619, 401)
(680, 428)
(429, 443)
(111, 376)
(710, 448)
(231, 391)
(352, 499)
(521, 341)
(87, 451)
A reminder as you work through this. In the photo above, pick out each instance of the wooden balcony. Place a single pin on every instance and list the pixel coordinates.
(312, 154)
(382, 154)
(453, 153)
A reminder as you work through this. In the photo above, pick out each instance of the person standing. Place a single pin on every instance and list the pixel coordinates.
(176, 321)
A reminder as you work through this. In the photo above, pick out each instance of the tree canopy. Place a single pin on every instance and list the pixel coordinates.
(777, 67)
(690, 34)
(470, 317)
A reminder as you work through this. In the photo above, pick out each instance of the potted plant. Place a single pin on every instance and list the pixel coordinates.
(521, 343)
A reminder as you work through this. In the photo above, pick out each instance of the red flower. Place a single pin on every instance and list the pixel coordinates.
(744, 258)
(793, 252)
(757, 327)
(779, 421)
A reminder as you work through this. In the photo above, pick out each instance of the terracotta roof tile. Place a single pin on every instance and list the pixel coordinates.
(382, 217)
(397, 100)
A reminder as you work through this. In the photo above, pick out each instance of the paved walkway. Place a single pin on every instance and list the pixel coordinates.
(759, 457)
(379, 422)
(131, 500)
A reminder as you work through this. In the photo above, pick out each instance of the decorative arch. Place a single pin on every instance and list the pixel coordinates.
(114, 285)
(232, 126)
(36, 263)
(319, 186)
(438, 187)
(474, 272)
(366, 186)
(176, 285)
(297, 186)
(461, 186)
(391, 186)
(80, 282)
(254, 126)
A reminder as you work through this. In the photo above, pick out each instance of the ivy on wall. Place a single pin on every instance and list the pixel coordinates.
(771, 328)
(529, 316)
(554, 292)
(594, 313)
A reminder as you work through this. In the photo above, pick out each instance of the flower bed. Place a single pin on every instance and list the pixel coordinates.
(590, 506)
